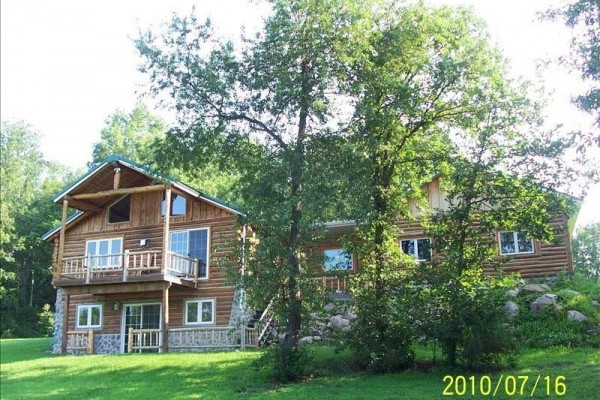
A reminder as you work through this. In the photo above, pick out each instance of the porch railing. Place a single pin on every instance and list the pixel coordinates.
(80, 341)
(333, 283)
(144, 339)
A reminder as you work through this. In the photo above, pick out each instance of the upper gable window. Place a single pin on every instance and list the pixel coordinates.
(120, 211)
(178, 204)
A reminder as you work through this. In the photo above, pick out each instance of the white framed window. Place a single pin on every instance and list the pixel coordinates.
(419, 248)
(193, 243)
(89, 316)
(337, 259)
(200, 312)
(104, 253)
(515, 242)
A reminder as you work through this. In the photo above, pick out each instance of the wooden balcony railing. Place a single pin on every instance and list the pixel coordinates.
(124, 265)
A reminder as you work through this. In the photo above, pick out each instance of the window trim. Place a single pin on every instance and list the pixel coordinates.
(115, 202)
(208, 244)
(108, 255)
(338, 269)
(516, 243)
(199, 312)
(416, 256)
(89, 306)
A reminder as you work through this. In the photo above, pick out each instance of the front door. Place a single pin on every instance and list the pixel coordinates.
(142, 316)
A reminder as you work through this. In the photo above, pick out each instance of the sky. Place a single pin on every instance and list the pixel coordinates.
(67, 65)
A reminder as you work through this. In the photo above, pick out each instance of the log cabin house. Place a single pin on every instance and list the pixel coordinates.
(137, 266)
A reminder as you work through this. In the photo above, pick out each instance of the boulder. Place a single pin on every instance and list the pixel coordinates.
(596, 303)
(512, 293)
(511, 308)
(329, 307)
(350, 315)
(314, 317)
(574, 315)
(534, 288)
(545, 301)
(338, 322)
(317, 329)
(309, 339)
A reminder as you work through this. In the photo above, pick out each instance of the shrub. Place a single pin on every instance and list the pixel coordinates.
(46, 321)
(470, 325)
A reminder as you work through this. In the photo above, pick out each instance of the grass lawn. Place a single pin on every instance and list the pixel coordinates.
(28, 372)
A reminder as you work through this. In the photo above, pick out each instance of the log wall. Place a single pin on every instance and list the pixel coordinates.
(146, 223)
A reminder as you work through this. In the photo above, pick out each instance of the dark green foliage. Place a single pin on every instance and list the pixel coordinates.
(46, 321)
(551, 327)
(28, 185)
(382, 335)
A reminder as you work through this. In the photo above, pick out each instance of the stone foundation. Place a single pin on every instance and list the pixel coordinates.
(107, 343)
(203, 339)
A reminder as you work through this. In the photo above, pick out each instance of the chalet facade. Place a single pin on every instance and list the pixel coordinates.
(141, 266)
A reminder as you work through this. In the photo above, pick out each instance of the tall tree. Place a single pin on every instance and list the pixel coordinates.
(130, 135)
(263, 109)
(422, 72)
(141, 137)
(583, 17)
(28, 182)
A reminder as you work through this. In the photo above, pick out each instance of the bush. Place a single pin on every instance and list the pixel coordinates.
(284, 365)
(471, 326)
(46, 321)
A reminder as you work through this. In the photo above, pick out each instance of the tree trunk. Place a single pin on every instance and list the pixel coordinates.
(294, 309)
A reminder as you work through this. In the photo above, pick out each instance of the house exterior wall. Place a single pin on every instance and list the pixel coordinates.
(146, 223)
(547, 259)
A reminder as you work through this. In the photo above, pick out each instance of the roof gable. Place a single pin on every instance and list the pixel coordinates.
(101, 178)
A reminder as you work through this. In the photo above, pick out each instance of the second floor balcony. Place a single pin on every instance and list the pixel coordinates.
(131, 266)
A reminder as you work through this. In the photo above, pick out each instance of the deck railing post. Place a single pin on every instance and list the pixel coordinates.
(87, 274)
(243, 338)
(126, 265)
(165, 249)
(90, 343)
(130, 341)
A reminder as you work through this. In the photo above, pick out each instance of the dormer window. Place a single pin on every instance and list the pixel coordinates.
(120, 211)
(178, 204)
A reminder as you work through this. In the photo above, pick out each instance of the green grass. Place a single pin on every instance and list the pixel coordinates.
(28, 372)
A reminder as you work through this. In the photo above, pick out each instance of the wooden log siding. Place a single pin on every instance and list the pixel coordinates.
(111, 319)
(146, 223)
(548, 259)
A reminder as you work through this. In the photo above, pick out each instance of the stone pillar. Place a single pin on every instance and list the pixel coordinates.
(58, 322)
